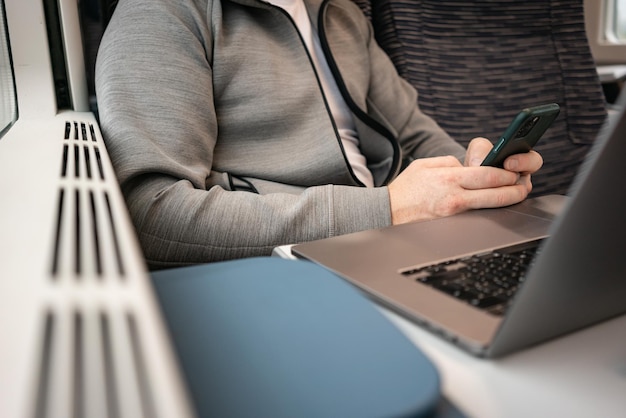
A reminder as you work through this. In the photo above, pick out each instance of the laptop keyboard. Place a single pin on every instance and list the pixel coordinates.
(487, 281)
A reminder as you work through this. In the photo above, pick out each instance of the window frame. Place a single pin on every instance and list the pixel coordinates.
(605, 47)
(8, 101)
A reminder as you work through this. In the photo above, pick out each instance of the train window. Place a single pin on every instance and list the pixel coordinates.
(615, 22)
(605, 22)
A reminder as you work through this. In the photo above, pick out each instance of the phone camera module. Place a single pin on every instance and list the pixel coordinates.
(527, 127)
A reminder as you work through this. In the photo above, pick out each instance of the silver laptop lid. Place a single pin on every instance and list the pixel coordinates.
(579, 278)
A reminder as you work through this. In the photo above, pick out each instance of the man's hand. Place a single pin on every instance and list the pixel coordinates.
(441, 186)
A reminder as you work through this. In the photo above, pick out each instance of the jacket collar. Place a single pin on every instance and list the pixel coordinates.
(312, 6)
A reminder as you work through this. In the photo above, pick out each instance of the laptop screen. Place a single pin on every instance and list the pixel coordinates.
(8, 99)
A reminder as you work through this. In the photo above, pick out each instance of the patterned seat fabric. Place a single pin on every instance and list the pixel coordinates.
(475, 64)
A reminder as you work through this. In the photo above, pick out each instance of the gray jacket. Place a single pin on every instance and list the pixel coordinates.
(221, 136)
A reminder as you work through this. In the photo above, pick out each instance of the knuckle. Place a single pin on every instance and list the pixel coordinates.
(502, 199)
(451, 205)
(450, 159)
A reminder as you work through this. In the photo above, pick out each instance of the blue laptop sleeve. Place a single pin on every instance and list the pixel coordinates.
(269, 337)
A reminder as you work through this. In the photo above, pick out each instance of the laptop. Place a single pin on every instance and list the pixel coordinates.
(444, 275)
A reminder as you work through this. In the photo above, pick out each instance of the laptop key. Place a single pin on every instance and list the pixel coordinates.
(443, 276)
(487, 302)
(457, 291)
(498, 310)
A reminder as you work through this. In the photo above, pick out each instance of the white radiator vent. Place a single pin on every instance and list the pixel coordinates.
(86, 242)
(92, 361)
(106, 377)
(81, 333)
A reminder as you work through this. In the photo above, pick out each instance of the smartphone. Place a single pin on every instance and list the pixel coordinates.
(523, 133)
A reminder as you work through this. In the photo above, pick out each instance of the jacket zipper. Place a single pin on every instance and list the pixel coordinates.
(319, 85)
(363, 116)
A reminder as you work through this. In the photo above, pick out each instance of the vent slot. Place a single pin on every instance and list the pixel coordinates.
(57, 235)
(96, 238)
(145, 391)
(116, 244)
(99, 161)
(93, 133)
(92, 363)
(78, 393)
(66, 151)
(77, 235)
(45, 362)
(87, 162)
(111, 387)
(76, 162)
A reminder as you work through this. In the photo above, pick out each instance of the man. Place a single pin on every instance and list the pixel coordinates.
(236, 126)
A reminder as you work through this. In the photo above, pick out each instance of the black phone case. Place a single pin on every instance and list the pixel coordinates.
(522, 133)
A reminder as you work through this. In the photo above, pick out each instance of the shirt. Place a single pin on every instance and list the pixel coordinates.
(338, 107)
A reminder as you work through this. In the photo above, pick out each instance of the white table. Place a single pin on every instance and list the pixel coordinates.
(579, 375)
(612, 73)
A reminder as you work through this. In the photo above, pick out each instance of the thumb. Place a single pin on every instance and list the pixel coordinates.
(477, 150)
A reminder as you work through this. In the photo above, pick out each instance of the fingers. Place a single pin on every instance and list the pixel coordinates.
(526, 182)
(477, 150)
(497, 197)
(526, 163)
(476, 178)
(471, 178)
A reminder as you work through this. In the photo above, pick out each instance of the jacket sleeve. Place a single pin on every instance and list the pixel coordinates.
(155, 98)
